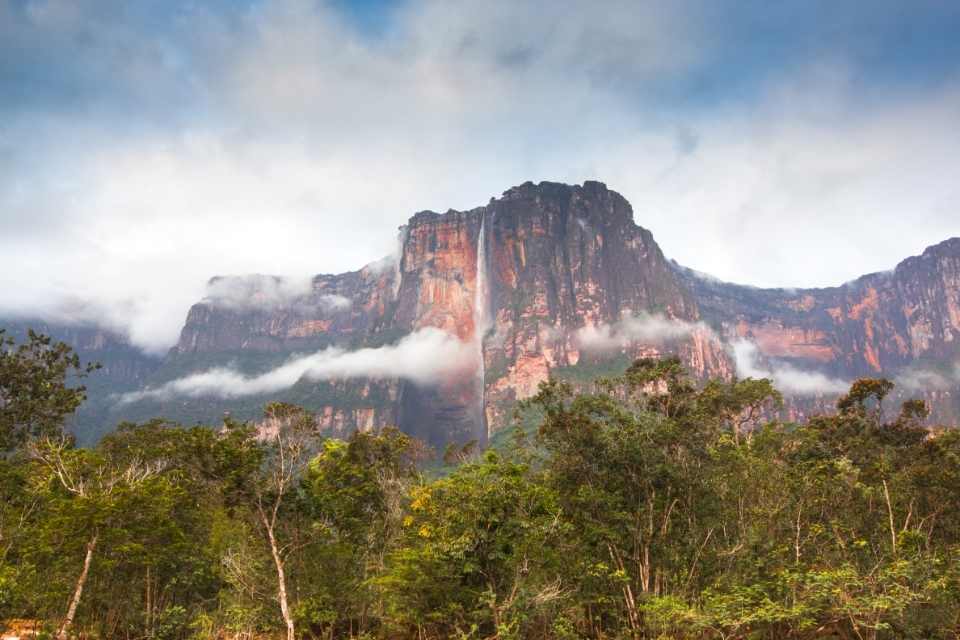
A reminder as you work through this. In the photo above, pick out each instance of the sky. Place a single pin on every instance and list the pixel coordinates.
(146, 146)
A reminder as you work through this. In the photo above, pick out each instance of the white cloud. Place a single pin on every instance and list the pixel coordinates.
(425, 356)
(774, 193)
(645, 328)
(334, 301)
(921, 379)
(280, 140)
(256, 291)
(270, 292)
(786, 378)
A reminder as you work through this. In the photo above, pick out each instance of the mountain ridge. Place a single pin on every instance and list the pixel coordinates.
(571, 284)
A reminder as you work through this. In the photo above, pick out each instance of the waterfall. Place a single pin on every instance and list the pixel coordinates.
(398, 267)
(481, 317)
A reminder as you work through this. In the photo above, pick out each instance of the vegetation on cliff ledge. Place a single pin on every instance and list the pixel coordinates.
(646, 507)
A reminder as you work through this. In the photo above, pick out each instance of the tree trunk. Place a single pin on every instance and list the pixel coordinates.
(78, 591)
(281, 580)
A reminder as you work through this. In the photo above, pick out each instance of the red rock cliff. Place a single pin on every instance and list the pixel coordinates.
(555, 279)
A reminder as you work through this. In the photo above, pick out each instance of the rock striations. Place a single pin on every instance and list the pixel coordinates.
(552, 279)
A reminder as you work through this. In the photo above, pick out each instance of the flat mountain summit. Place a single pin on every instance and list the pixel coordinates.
(478, 307)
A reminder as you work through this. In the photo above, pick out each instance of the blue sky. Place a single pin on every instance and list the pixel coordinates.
(71, 65)
(145, 146)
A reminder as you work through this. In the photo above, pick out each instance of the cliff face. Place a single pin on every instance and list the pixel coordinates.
(549, 279)
(439, 269)
(264, 313)
(878, 323)
(518, 281)
(903, 324)
(563, 260)
(521, 278)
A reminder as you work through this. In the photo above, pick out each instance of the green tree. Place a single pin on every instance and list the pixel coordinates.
(632, 465)
(358, 490)
(264, 478)
(18, 509)
(35, 391)
(480, 554)
(88, 498)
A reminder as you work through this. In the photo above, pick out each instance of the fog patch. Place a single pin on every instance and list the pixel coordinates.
(255, 291)
(651, 329)
(381, 266)
(267, 293)
(700, 275)
(921, 379)
(425, 357)
(786, 378)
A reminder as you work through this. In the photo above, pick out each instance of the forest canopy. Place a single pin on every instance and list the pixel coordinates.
(646, 505)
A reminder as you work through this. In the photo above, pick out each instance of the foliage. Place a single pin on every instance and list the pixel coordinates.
(35, 395)
(648, 506)
(479, 554)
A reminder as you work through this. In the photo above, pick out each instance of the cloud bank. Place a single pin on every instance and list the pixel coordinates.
(146, 146)
(921, 379)
(425, 356)
(650, 329)
(270, 292)
(786, 378)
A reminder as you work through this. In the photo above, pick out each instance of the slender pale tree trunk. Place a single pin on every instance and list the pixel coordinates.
(893, 527)
(78, 591)
(281, 578)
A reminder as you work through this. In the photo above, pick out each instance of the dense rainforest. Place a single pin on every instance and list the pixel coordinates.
(639, 506)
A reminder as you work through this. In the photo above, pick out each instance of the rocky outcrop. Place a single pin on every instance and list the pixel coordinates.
(266, 313)
(549, 279)
(438, 268)
(879, 323)
(565, 258)
(521, 277)
(903, 324)
(518, 280)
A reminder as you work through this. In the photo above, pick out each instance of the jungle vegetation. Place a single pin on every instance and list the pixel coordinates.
(644, 505)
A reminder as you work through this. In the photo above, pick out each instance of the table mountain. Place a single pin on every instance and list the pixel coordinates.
(548, 279)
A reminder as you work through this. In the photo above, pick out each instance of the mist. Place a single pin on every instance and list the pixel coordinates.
(919, 378)
(786, 378)
(645, 328)
(270, 292)
(425, 356)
